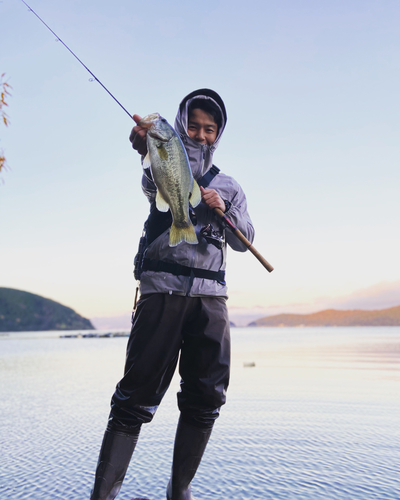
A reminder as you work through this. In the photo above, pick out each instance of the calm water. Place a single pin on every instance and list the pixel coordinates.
(317, 417)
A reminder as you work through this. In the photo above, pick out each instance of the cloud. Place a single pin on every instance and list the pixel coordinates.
(379, 296)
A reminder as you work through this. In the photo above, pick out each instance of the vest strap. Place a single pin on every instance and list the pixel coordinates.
(179, 270)
(208, 176)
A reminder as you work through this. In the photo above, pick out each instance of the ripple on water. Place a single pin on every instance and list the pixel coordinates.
(306, 431)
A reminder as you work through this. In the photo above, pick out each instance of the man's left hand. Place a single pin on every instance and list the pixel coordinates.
(212, 199)
(138, 137)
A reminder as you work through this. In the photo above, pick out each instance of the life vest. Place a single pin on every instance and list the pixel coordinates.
(158, 222)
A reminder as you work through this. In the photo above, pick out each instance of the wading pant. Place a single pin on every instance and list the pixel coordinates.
(165, 325)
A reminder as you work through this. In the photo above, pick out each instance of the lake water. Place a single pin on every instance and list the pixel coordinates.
(317, 417)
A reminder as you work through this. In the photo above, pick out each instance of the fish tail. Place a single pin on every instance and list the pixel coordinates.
(179, 234)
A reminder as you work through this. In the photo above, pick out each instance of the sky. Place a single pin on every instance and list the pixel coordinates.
(312, 94)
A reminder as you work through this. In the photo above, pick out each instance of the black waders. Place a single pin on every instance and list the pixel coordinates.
(115, 455)
(190, 443)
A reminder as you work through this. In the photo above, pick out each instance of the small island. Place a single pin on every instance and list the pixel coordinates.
(25, 312)
(334, 317)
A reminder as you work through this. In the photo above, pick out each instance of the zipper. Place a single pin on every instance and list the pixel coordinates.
(192, 263)
(193, 249)
(202, 158)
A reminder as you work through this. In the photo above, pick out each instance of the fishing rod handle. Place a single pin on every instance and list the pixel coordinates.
(244, 240)
(264, 262)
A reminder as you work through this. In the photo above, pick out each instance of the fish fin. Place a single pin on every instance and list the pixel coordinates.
(195, 197)
(146, 161)
(161, 204)
(179, 234)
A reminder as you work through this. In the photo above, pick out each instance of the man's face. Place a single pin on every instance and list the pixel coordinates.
(202, 127)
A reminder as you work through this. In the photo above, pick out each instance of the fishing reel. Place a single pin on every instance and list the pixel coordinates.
(213, 237)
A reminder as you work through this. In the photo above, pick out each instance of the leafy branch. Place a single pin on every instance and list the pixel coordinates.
(4, 94)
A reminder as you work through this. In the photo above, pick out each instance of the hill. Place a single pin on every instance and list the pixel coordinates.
(334, 317)
(23, 312)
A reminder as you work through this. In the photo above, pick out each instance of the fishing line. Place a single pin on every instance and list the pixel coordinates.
(76, 57)
(221, 214)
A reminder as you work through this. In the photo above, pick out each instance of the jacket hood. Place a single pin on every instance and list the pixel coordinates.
(200, 155)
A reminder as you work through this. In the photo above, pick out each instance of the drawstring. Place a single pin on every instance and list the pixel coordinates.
(135, 300)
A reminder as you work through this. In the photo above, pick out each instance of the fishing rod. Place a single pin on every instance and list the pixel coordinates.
(77, 58)
(219, 212)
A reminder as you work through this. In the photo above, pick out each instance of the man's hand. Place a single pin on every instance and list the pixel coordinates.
(212, 199)
(138, 137)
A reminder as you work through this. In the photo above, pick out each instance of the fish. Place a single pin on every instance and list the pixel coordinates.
(172, 175)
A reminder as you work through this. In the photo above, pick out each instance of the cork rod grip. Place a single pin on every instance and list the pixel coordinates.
(244, 240)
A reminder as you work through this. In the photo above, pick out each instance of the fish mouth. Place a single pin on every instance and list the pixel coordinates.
(148, 121)
(156, 126)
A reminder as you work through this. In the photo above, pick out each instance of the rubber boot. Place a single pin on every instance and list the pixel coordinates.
(115, 455)
(190, 443)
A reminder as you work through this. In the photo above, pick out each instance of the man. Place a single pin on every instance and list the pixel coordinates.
(182, 311)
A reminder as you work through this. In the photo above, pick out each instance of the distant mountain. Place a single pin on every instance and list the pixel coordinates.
(334, 317)
(23, 312)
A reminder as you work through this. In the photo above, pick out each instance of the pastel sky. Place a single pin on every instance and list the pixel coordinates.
(312, 93)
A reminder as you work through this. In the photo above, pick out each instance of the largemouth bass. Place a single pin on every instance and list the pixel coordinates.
(169, 165)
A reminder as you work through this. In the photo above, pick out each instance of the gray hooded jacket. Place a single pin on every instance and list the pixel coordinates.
(203, 255)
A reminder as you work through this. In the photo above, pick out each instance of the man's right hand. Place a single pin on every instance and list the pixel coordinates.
(138, 137)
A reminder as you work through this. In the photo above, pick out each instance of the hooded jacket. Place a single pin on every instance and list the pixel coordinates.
(203, 255)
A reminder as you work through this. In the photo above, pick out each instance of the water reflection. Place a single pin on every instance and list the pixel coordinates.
(315, 417)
